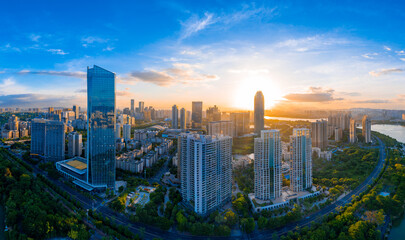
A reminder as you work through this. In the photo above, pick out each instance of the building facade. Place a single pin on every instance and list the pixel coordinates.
(366, 129)
(352, 133)
(259, 112)
(126, 130)
(101, 127)
(75, 145)
(267, 165)
(319, 134)
(220, 128)
(175, 117)
(196, 115)
(205, 170)
(183, 118)
(48, 139)
(301, 160)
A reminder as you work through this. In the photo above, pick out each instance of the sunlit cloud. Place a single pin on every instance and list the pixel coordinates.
(196, 24)
(385, 72)
(315, 94)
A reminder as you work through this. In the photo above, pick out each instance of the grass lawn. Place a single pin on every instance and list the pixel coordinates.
(243, 145)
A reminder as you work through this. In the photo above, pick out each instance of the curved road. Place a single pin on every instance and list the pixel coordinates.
(150, 232)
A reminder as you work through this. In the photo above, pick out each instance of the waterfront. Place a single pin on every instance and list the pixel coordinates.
(292, 119)
(397, 132)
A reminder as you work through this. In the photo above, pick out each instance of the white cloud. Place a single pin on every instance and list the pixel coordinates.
(387, 48)
(87, 41)
(385, 72)
(196, 24)
(35, 37)
(108, 48)
(57, 51)
(370, 55)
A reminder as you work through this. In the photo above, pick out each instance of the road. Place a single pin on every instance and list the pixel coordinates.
(150, 232)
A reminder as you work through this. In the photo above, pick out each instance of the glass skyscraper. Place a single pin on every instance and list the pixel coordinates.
(101, 127)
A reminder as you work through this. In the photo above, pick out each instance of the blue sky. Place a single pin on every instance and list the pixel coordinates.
(308, 54)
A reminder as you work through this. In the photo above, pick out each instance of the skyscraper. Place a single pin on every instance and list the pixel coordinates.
(259, 112)
(267, 169)
(175, 117)
(366, 131)
(183, 118)
(353, 136)
(101, 127)
(38, 136)
(118, 130)
(196, 115)
(132, 106)
(319, 134)
(301, 160)
(126, 129)
(74, 144)
(205, 171)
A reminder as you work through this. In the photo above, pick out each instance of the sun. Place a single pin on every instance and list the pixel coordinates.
(247, 88)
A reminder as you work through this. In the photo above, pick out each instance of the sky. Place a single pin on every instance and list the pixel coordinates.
(300, 54)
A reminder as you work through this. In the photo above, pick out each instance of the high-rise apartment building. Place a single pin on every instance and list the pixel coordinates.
(101, 129)
(319, 134)
(301, 160)
(353, 136)
(213, 114)
(126, 130)
(48, 139)
(196, 115)
(241, 122)
(141, 107)
(183, 118)
(220, 128)
(132, 106)
(267, 165)
(259, 112)
(75, 145)
(205, 171)
(76, 111)
(118, 130)
(366, 131)
(175, 117)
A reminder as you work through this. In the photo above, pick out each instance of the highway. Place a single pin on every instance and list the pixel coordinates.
(150, 232)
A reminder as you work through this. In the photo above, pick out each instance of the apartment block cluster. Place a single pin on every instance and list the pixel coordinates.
(15, 128)
(145, 150)
(268, 166)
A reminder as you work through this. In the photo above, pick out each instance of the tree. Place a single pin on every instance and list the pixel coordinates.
(230, 218)
(376, 217)
(262, 222)
(247, 225)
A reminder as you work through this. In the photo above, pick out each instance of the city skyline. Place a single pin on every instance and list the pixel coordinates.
(202, 49)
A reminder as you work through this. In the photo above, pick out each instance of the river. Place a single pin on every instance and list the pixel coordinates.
(397, 132)
(292, 119)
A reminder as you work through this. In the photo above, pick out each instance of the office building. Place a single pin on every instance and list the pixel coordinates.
(101, 130)
(319, 134)
(267, 165)
(175, 117)
(205, 171)
(366, 129)
(126, 130)
(75, 146)
(220, 128)
(196, 115)
(353, 136)
(48, 139)
(259, 112)
(301, 160)
(183, 118)
(241, 122)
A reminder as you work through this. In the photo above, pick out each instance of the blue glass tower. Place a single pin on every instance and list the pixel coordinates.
(101, 127)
